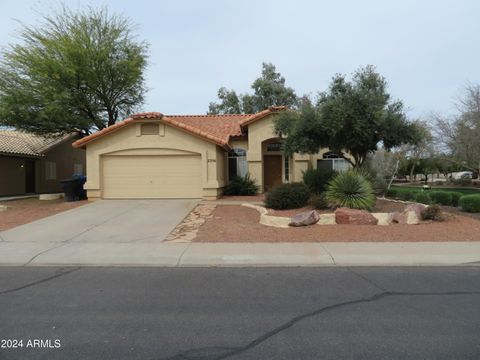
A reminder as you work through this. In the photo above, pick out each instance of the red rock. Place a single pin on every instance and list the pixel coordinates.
(305, 218)
(354, 217)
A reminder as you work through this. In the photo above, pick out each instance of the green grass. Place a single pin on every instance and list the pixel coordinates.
(464, 191)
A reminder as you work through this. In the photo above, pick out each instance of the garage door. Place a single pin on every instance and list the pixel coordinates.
(131, 177)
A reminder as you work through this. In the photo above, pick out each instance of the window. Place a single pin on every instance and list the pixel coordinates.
(276, 146)
(286, 168)
(150, 129)
(78, 169)
(237, 163)
(50, 170)
(332, 161)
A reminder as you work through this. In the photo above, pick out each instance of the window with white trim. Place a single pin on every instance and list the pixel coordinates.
(332, 161)
(237, 163)
(50, 170)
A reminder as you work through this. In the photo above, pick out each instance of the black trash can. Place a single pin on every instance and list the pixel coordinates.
(80, 191)
(70, 189)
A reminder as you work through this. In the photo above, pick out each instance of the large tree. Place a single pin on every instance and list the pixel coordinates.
(76, 71)
(268, 90)
(351, 118)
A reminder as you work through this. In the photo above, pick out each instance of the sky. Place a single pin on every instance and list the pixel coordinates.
(426, 49)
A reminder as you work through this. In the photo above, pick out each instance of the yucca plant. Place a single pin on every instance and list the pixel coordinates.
(350, 189)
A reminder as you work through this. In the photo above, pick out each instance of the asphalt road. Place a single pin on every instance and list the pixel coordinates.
(228, 313)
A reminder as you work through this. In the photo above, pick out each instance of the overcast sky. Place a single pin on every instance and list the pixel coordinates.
(427, 49)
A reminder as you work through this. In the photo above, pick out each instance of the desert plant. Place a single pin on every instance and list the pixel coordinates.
(241, 186)
(287, 196)
(441, 197)
(455, 197)
(317, 179)
(350, 189)
(470, 203)
(432, 212)
(318, 201)
(423, 198)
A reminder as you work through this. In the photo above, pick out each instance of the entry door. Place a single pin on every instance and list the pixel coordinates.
(29, 176)
(272, 171)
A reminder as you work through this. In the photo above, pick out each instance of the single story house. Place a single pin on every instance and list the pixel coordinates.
(31, 164)
(151, 155)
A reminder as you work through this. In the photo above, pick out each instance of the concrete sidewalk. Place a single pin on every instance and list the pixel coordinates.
(239, 254)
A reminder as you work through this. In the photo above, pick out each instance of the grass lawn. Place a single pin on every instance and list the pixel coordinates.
(465, 190)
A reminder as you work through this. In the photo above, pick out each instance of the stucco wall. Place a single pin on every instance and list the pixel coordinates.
(12, 175)
(129, 138)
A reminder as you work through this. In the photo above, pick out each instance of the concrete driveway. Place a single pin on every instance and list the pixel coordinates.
(106, 221)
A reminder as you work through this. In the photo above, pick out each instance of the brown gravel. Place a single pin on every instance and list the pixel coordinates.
(240, 224)
(256, 198)
(23, 211)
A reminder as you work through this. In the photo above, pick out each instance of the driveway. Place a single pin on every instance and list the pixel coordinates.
(106, 221)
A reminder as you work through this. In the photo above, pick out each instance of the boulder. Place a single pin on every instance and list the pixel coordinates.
(354, 217)
(411, 215)
(384, 219)
(417, 208)
(305, 218)
(327, 219)
(3, 207)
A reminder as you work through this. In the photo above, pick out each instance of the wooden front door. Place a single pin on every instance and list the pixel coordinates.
(272, 171)
(29, 176)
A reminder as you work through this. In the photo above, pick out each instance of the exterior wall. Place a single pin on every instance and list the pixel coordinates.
(129, 140)
(12, 176)
(64, 156)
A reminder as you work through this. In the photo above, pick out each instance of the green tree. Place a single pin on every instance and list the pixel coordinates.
(76, 71)
(268, 90)
(351, 118)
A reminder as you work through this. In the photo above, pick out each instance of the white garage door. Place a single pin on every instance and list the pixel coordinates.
(145, 177)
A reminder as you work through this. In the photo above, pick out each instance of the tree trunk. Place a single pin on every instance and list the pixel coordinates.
(412, 169)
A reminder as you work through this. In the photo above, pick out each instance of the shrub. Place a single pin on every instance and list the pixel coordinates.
(441, 197)
(287, 196)
(391, 193)
(455, 197)
(470, 203)
(350, 189)
(317, 179)
(380, 185)
(318, 201)
(241, 186)
(432, 212)
(423, 198)
(462, 181)
(406, 195)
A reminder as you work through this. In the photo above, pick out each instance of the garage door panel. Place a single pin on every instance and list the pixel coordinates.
(152, 176)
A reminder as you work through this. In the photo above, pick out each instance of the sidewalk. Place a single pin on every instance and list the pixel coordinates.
(239, 254)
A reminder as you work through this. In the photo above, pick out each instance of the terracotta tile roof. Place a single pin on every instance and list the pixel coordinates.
(20, 143)
(215, 128)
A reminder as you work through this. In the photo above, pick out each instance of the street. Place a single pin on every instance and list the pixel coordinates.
(240, 313)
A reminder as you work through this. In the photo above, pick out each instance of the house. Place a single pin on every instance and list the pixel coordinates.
(151, 155)
(32, 164)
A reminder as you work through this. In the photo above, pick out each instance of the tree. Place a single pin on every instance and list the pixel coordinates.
(461, 135)
(74, 72)
(268, 90)
(351, 118)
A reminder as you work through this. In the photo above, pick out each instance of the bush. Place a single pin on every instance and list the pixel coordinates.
(287, 196)
(441, 197)
(318, 201)
(406, 195)
(350, 189)
(455, 197)
(380, 185)
(391, 193)
(241, 186)
(423, 198)
(317, 180)
(462, 181)
(470, 203)
(432, 212)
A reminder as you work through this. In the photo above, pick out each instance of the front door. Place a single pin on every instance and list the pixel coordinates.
(272, 171)
(30, 176)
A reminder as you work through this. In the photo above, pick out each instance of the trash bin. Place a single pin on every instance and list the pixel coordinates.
(80, 191)
(73, 188)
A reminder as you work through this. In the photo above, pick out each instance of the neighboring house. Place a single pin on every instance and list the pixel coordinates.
(151, 155)
(32, 164)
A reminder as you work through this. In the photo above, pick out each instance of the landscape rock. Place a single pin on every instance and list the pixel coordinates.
(383, 218)
(305, 218)
(3, 207)
(354, 217)
(417, 208)
(406, 217)
(327, 219)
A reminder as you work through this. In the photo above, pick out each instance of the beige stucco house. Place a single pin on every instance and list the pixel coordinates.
(151, 155)
(32, 164)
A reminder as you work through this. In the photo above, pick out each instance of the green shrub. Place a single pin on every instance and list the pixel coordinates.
(455, 197)
(423, 198)
(287, 196)
(318, 201)
(462, 181)
(470, 203)
(380, 185)
(317, 180)
(241, 186)
(391, 193)
(406, 195)
(441, 197)
(432, 212)
(350, 189)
